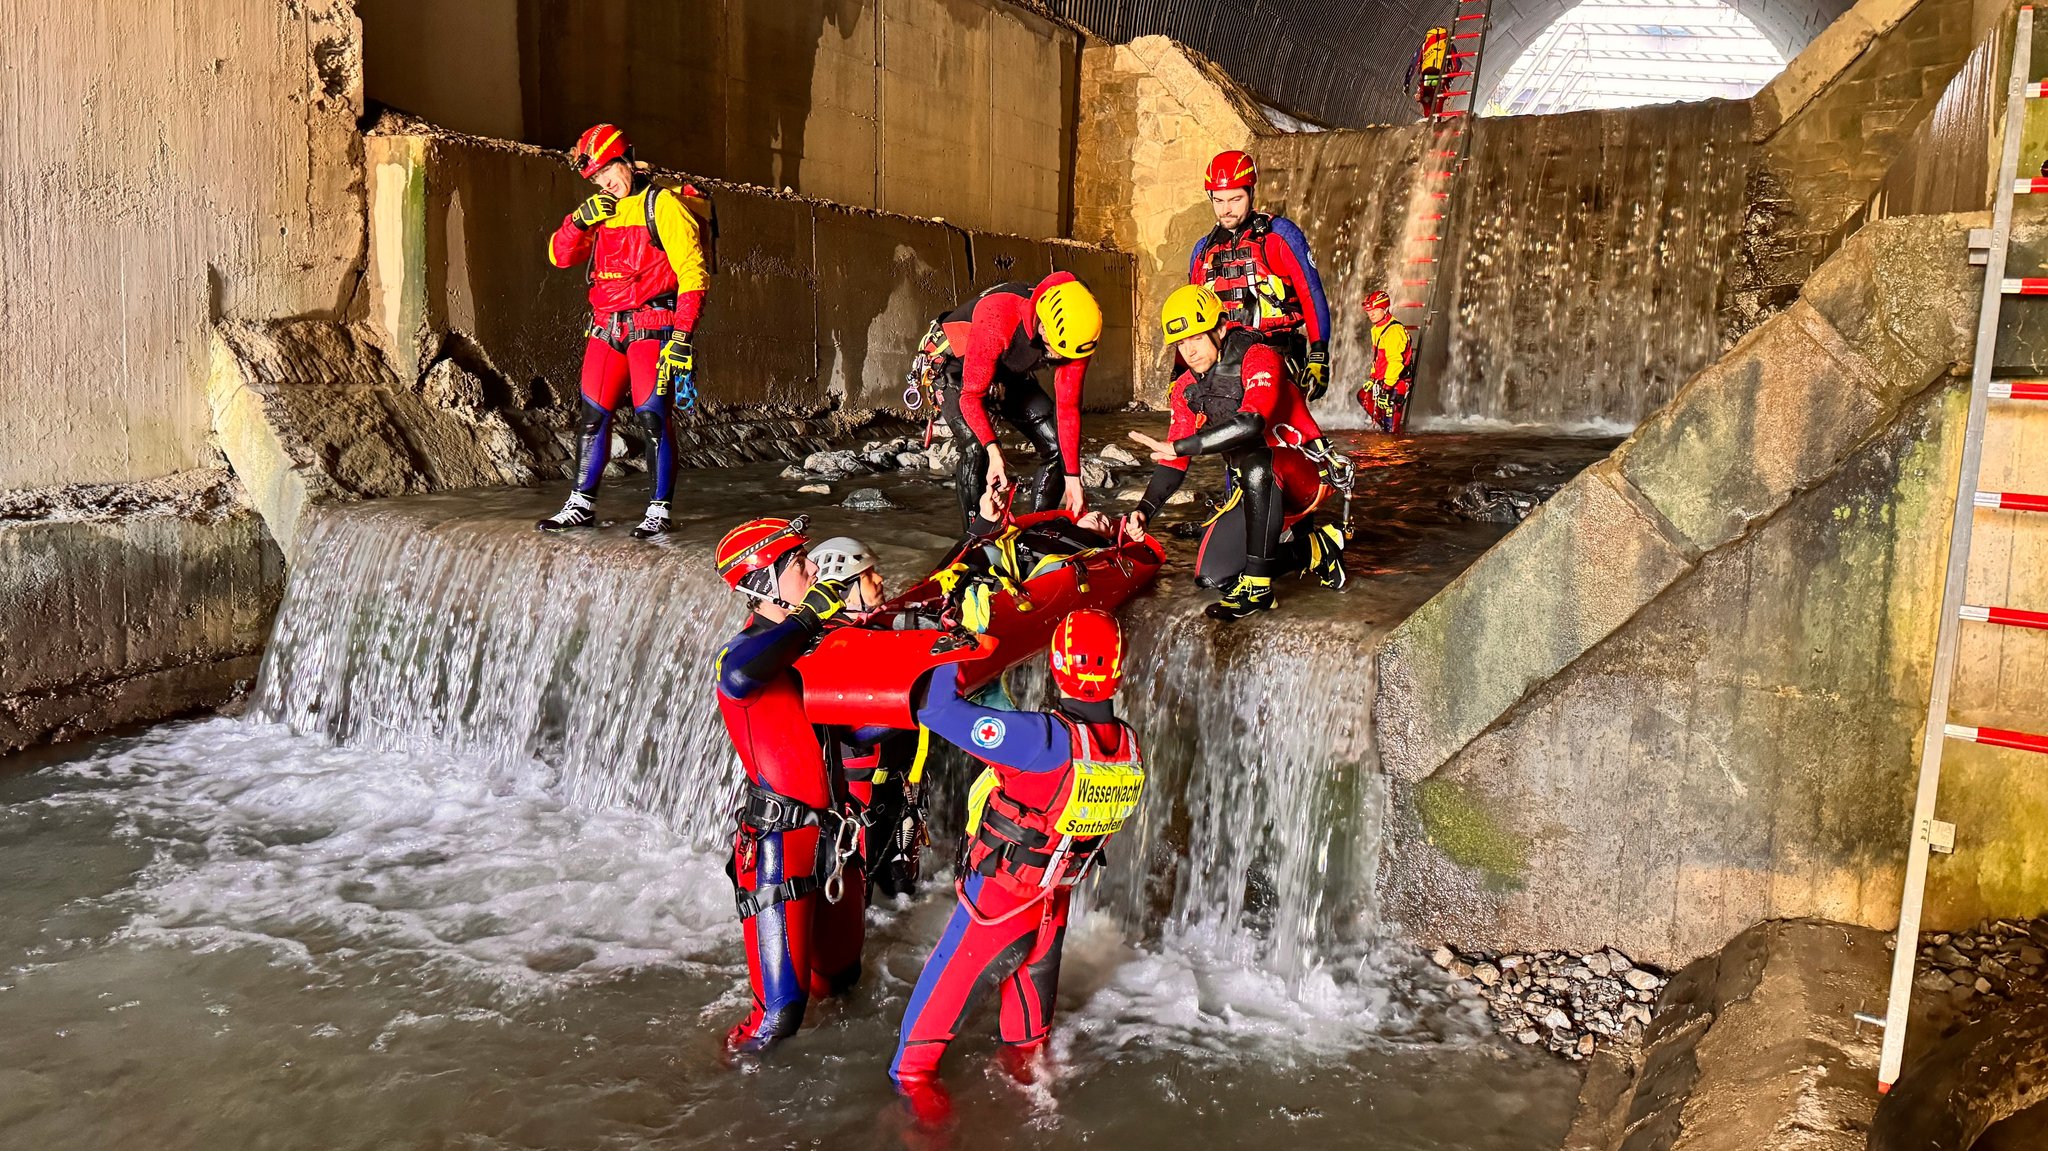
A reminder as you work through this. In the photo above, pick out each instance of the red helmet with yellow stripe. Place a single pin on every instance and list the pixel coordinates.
(757, 544)
(600, 146)
(1088, 655)
(1232, 169)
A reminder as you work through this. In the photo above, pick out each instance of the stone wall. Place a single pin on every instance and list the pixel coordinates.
(953, 108)
(1706, 709)
(129, 602)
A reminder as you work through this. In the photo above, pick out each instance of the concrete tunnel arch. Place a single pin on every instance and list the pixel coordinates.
(1341, 62)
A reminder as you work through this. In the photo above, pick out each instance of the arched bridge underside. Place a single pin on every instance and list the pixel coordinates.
(1342, 61)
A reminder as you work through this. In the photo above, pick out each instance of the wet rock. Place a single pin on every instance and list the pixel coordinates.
(1597, 964)
(1095, 475)
(1443, 957)
(816, 489)
(794, 472)
(1486, 974)
(2032, 956)
(1182, 496)
(1641, 980)
(868, 500)
(1943, 955)
(1116, 456)
(832, 464)
(1982, 985)
(1482, 501)
(1526, 1036)
(910, 461)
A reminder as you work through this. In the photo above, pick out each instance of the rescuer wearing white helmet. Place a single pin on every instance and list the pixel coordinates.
(848, 561)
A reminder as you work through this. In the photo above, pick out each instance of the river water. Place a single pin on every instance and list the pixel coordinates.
(454, 880)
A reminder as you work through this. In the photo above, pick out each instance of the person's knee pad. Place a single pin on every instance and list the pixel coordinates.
(1262, 504)
(653, 420)
(593, 418)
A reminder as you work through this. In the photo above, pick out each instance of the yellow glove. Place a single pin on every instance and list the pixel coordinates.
(975, 609)
(596, 210)
(675, 374)
(826, 599)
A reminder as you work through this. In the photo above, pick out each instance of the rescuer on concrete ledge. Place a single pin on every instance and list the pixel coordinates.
(644, 248)
(1260, 266)
(1385, 394)
(991, 348)
(1235, 400)
(1057, 785)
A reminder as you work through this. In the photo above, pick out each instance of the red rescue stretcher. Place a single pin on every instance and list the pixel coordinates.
(991, 605)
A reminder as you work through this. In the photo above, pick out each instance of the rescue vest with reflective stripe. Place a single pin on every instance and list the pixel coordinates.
(1040, 847)
(1234, 267)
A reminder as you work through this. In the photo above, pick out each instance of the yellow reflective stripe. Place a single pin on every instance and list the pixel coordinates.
(924, 747)
(977, 797)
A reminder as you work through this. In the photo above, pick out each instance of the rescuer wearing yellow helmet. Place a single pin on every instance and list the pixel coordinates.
(990, 349)
(1235, 400)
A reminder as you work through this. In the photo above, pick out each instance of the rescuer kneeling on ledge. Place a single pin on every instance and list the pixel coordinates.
(991, 348)
(795, 837)
(1235, 400)
(645, 251)
(1057, 785)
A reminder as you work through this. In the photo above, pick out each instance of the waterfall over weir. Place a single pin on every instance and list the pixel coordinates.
(411, 625)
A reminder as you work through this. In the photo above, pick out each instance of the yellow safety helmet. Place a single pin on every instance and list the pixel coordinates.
(1069, 319)
(1191, 310)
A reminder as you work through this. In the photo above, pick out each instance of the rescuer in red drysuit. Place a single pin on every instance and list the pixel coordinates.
(644, 249)
(1260, 266)
(1058, 784)
(794, 841)
(1234, 400)
(990, 348)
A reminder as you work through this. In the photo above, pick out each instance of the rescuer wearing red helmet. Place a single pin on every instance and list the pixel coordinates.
(644, 250)
(1385, 394)
(992, 346)
(1057, 785)
(1260, 266)
(792, 842)
(1235, 400)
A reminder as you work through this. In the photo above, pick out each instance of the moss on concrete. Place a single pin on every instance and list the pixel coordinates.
(1458, 824)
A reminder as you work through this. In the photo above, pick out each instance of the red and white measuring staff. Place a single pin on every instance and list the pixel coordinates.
(1997, 737)
(2018, 390)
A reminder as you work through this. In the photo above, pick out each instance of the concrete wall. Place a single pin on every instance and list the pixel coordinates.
(129, 603)
(1706, 709)
(954, 108)
(180, 163)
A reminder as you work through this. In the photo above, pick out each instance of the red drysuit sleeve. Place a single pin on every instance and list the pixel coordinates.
(995, 324)
(571, 243)
(1066, 398)
(1181, 421)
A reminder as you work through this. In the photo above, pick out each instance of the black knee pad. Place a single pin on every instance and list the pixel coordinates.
(593, 418)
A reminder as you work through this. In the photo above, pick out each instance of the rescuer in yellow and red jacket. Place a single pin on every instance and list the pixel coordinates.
(644, 250)
(1426, 71)
(1385, 394)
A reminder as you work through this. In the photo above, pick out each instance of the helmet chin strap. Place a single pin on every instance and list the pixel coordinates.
(764, 597)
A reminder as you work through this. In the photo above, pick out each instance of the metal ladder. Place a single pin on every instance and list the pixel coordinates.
(1444, 158)
(1930, 834)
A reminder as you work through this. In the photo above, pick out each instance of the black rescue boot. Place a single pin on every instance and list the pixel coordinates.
(1326, 556)
(1253, 594)
(576, 513)
(656, 522)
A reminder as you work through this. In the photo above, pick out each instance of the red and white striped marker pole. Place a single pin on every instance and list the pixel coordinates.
(2004, 616)
(2012, 501)
(2024, 286)
(1997, 737)
(2018, 390)
(2032, 186)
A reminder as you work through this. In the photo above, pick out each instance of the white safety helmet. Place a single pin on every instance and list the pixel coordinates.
(842, 559)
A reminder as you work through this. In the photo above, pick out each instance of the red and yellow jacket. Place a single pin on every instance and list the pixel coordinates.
(629, 269)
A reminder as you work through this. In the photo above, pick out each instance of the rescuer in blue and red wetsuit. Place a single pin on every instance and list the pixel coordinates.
(1259, 265)
(645, 252)
(1057, 785)
(793, 839)
(1235, 400)
(990, 349)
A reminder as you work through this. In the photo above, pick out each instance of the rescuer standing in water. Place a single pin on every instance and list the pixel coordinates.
(645, 252)
(794, 838)
(1385, 394)
(1235, 400)
(1057, 785)
(990, 349)
(1260, 266)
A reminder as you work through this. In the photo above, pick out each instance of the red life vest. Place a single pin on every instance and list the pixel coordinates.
(1088, 800)
(1235, 267)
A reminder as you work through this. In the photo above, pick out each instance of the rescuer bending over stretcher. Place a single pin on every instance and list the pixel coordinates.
(1057, 785)
(1236, 401)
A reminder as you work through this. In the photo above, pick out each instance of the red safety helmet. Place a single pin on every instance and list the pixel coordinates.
(1088, 654)
(1232, 169)
(757, 544)
(598, 147)
(1378, 300)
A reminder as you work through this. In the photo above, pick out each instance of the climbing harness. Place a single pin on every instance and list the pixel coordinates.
(1338, 470)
